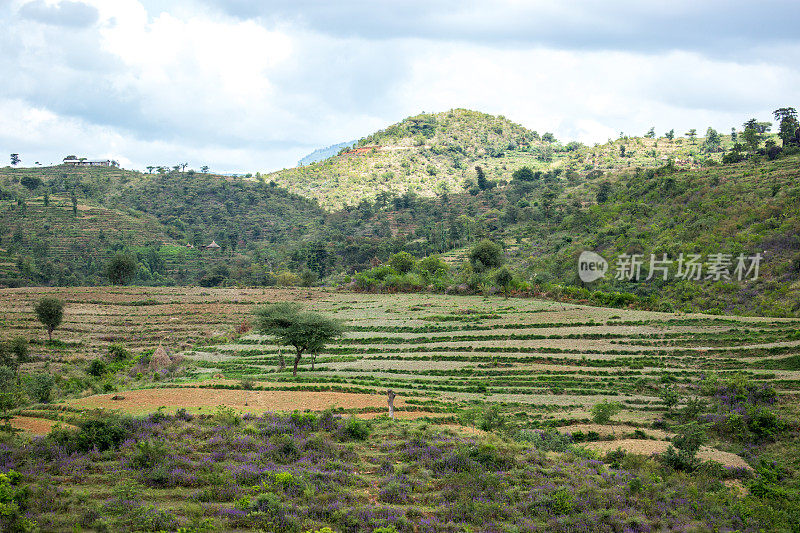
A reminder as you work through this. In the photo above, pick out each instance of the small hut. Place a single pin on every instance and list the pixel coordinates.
(212, 246)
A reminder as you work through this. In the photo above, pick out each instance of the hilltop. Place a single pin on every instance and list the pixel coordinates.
(432, 154)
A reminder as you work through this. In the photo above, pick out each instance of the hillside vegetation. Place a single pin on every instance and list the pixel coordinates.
(431, 154)
(483, 176)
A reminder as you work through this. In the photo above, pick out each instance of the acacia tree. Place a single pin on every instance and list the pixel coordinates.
(50, 312)
(304, 330)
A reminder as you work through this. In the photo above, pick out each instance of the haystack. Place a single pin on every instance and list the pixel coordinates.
(160, 359)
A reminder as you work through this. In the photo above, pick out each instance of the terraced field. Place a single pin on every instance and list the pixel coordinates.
(544, 359)
(543, 363)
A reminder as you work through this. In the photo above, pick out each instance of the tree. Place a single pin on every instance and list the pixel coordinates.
(692, 133)
(688, 442)
(523, 174)
(46, 198)
(603, 412)
(733, 135)
(15, 160)
(121, 270)
(751, 136)
(670, 398)
(304, 330)
(670, 134)
(713, 141)
(74, 204)
(503, 278)
(788, 124)
(30, 182)
(486, 255)
(603, 192)
(150, 169)
(50, 312)
(402, 262)
(651, 133)
(483, 183)
(204, 169)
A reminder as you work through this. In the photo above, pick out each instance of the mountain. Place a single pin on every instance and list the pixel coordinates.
(320, 154)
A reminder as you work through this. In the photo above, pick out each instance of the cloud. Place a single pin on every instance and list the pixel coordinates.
(64, 13)
(246, 86)
(721, 27)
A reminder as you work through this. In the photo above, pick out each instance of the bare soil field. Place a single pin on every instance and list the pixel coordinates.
(650, 447)
(208, 400)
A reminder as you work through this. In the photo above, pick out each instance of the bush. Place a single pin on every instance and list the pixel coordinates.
(96, 368)
(117, 352)
(356, 429)
(402, 262)
(549, 440)
(492, 419)
(603, 412)
(102, 433)
(41, 387)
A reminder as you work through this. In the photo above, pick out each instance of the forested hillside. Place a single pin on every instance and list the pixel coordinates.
(488, 179)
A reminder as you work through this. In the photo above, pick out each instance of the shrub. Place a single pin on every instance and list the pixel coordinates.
(402, 262)
(683, 455)
(41, 386)
(227, 416)
(117, 352)
(603, 412)
(102, 433)
(549, 440)
(492, 419)
(396, 490)
(96, 368)
(356, 429)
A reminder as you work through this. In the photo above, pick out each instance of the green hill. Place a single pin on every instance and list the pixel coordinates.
(431, 154)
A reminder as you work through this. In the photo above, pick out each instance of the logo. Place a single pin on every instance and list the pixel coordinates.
(591, 266)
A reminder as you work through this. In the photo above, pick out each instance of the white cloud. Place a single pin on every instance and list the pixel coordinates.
(164, 83)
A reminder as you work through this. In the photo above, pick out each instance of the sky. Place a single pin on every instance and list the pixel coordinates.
(253, 86)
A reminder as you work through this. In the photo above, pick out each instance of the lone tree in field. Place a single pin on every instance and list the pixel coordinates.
(121, 270)
(304, 330)
(50, 312)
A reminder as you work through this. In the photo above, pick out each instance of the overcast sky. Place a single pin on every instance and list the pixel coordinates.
(246, 86)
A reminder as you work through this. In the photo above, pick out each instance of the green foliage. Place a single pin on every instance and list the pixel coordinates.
(604, 411)
(117, 352)
(402, 262)
(492, 418)
(669, 396)
(50, 312)
(97, 368)
(13, 500)
(682, 454)
(523, 174)
(41, 387)
(121, 269)
(305, 331)
(356, 429)
(486, 255)
(102, 433)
